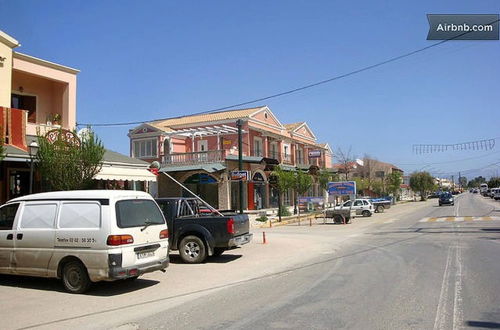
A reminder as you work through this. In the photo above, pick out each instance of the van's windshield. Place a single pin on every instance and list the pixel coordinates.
(137, 213)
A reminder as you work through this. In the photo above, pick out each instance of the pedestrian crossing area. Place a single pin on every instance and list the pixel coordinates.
(459, 219)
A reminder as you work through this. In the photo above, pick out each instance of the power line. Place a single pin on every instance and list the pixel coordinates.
(260, 99)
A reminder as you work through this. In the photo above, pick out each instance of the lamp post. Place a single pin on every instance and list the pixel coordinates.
(32, 149)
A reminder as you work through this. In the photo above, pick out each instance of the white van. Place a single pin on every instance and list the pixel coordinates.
(83, 236)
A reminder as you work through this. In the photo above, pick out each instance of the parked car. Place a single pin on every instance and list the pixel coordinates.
(446, 198)
(83, 236)
(496, 193)
(362, 207)
(198, 233)
(434, 194)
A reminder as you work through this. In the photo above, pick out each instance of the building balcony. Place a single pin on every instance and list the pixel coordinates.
(193, 158)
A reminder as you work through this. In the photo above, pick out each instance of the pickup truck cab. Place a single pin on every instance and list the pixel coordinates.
(197, 232)
(83, 236)
(361, 206)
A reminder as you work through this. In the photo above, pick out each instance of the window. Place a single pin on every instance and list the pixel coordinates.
(138, 213)
(7, 216)
(366, 203)
(38, 216)
(300, 156)
(257, 146)
(274, 150)
(347, 204)
(80, 215)
(25, 102)
(286, 152)
(358, 203)
(145, 148)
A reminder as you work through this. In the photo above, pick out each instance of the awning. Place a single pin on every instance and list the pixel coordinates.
(125, 173)
(209, 168)
(246, 159)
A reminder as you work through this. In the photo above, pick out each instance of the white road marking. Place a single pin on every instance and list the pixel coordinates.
(456, 211)
(440, 321)
(424, 220)
(457, 302)
(441, 220)
(459, 219)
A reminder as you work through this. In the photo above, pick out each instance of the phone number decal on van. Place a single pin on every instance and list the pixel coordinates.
(77, 240)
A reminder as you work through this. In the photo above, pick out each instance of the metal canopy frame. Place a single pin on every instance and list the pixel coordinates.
(204, 131)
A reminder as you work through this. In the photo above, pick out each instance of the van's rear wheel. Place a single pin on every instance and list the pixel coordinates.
(75, 277)
(192, 250)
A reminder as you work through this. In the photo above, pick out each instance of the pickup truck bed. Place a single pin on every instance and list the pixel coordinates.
(198, 233)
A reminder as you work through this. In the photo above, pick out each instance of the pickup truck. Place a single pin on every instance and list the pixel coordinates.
(197, 232)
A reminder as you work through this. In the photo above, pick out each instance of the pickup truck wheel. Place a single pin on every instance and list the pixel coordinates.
(337, 218)
(192, 250)
(366, 213)
(218, 252)
(75, 277)
(380, 209)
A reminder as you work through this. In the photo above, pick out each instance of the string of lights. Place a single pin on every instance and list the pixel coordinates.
(487, 144)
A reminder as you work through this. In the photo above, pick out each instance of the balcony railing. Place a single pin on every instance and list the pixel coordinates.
(190, 158)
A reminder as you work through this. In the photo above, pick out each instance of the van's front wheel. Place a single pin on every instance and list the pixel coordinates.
(75, 277)
(192, 250)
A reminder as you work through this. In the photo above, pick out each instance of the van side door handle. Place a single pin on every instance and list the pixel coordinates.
(19, 236)
(10, 237)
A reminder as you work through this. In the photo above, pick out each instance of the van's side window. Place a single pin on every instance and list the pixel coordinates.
(7, 216)
(80, 215)
(38, 216)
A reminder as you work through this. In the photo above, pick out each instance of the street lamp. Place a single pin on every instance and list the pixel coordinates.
(33, 150)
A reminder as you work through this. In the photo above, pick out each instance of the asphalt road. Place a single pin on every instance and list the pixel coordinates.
(435, 268)
(417, 266)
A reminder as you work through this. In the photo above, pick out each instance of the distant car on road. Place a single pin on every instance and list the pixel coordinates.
(446, 198)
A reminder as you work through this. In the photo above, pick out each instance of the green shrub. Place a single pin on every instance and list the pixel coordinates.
(262, 218)
(285, 212)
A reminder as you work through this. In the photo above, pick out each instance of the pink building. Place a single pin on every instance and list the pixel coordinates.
(202, 150)
(37, 96)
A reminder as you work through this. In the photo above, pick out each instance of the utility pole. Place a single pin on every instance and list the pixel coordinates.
(239, 123)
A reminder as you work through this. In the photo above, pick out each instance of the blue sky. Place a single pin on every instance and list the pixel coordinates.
(156, 59)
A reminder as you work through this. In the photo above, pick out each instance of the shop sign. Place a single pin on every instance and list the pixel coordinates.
(240, 175)
(227, 142)
(63, 138)
(258, 177)
(342, 188)
(273, 180)
(314, 153)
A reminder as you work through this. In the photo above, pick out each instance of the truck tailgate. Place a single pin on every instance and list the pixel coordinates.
(241, 224)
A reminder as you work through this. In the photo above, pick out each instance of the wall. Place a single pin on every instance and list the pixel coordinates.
(5, 75)
(65, 82)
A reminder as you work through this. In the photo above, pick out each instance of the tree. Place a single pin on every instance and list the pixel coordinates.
(346, 161)
(494, 182)
(462, 181)
(285, 180)
(422, 182)
(303, 183)
(476, 182)
(69, 165)
(393, 182)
